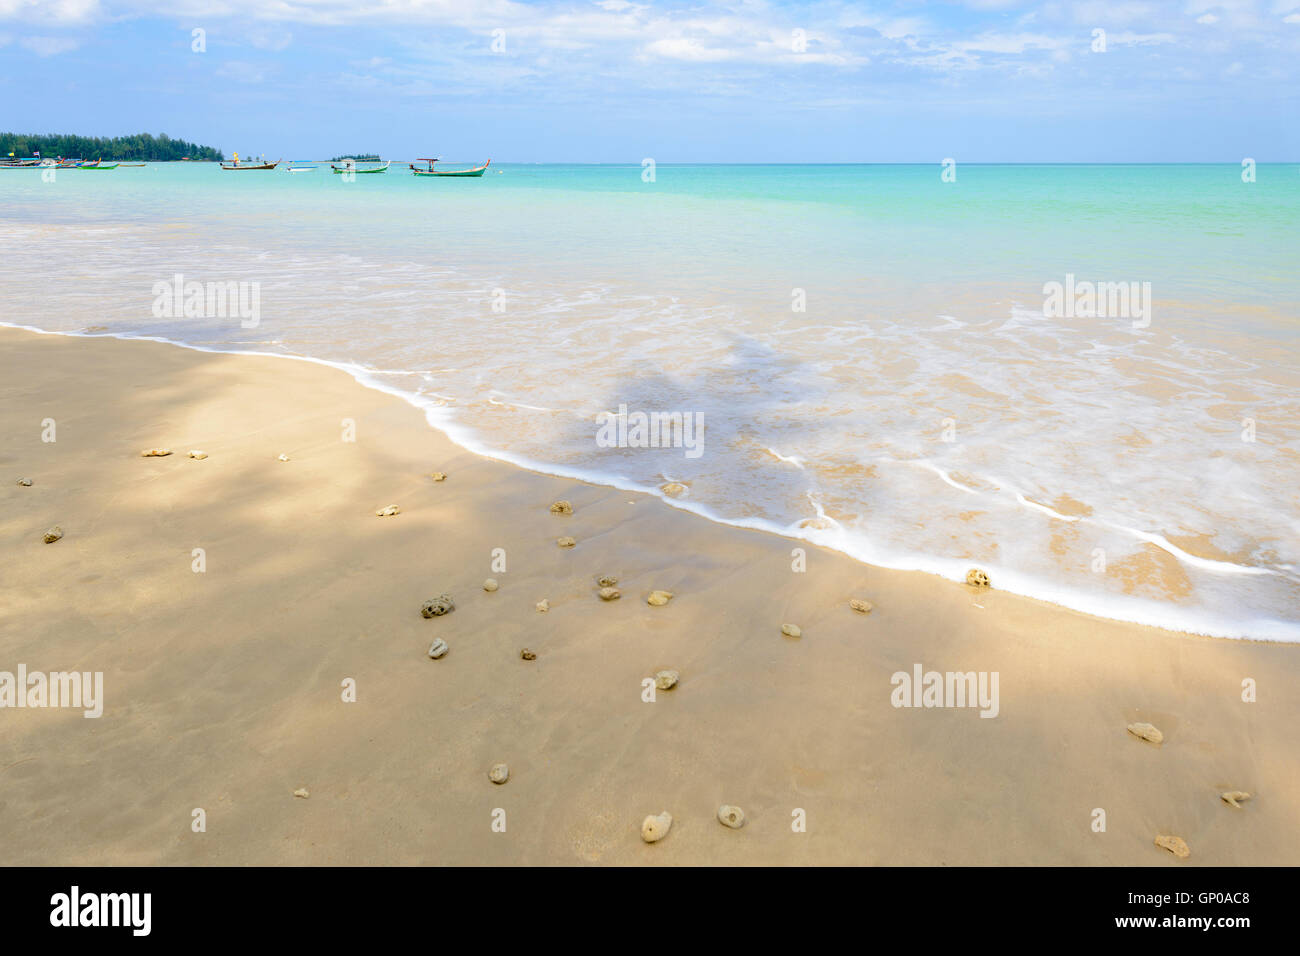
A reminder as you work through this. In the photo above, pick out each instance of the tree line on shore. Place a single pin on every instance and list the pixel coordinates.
(140, 147)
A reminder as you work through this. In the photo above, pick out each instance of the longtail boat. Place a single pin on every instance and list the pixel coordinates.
(237, 166)
(131, 165)
(98, 166)
(430, 171)
(350, 166)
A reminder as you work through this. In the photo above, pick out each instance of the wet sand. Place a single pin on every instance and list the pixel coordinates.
(223, 689)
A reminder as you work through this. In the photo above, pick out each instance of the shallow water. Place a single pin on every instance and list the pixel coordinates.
(921, 412)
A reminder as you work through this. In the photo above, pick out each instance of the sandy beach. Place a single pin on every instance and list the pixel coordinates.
(223, 688)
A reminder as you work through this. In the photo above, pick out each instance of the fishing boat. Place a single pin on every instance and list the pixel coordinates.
(350, 166)
(430, 171)
(131, 165)
(86, 164)
(299, 169)
(97, 165)
(237, 166)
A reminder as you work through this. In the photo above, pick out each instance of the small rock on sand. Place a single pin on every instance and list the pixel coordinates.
(1146, 732)
(791, 630)
(673, 488)
(528, 655)
(730, 816)
(1233, 798)
(301, 793)
(439, 476)
(25, 482)
(499, 773)
(659, 598)
(438, 649)
(565, 542)
(561, 508)
(490, 584)
(605, 581)
(610, 594)
(388, 510)
(654, 829)
(666, 680)
(54, 534)
(282, 458)
(155, 453)
(200, 455)
(1175, 845)
(543, 605)
(977, 578)
(861, 606)
(437, 606)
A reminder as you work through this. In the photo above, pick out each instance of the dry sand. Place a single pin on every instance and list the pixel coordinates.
(223, 688)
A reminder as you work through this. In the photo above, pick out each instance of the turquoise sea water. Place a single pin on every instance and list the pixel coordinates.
(921, 410)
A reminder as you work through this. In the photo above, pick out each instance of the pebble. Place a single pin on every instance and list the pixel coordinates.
(54, 534)
(490, 584)
(390, 510)
(302, 793)
(438, 649)
(977, 578)
(730, 816)
(438, 606)
(1146, 732)
(499, 773)
(666, 680)
(155, 453)
(862, 607)
(659, 598)
(610, 594)
(439, 476)
(561, 508)
(528, 655)
(673, 488)
(543, 605)
(199, 455)
(1234, 797)
(25, 482)
(282, 458)
(791, 630)
(606, 581)
(565, 542)
(1175, 845)
(654, 829)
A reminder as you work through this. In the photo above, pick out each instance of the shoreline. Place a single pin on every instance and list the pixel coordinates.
(1144, 612)
(222, 688)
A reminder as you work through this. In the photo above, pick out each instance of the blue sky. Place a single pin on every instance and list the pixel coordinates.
(617, 81)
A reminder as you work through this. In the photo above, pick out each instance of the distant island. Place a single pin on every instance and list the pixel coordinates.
(141, 147)
(359, 157)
